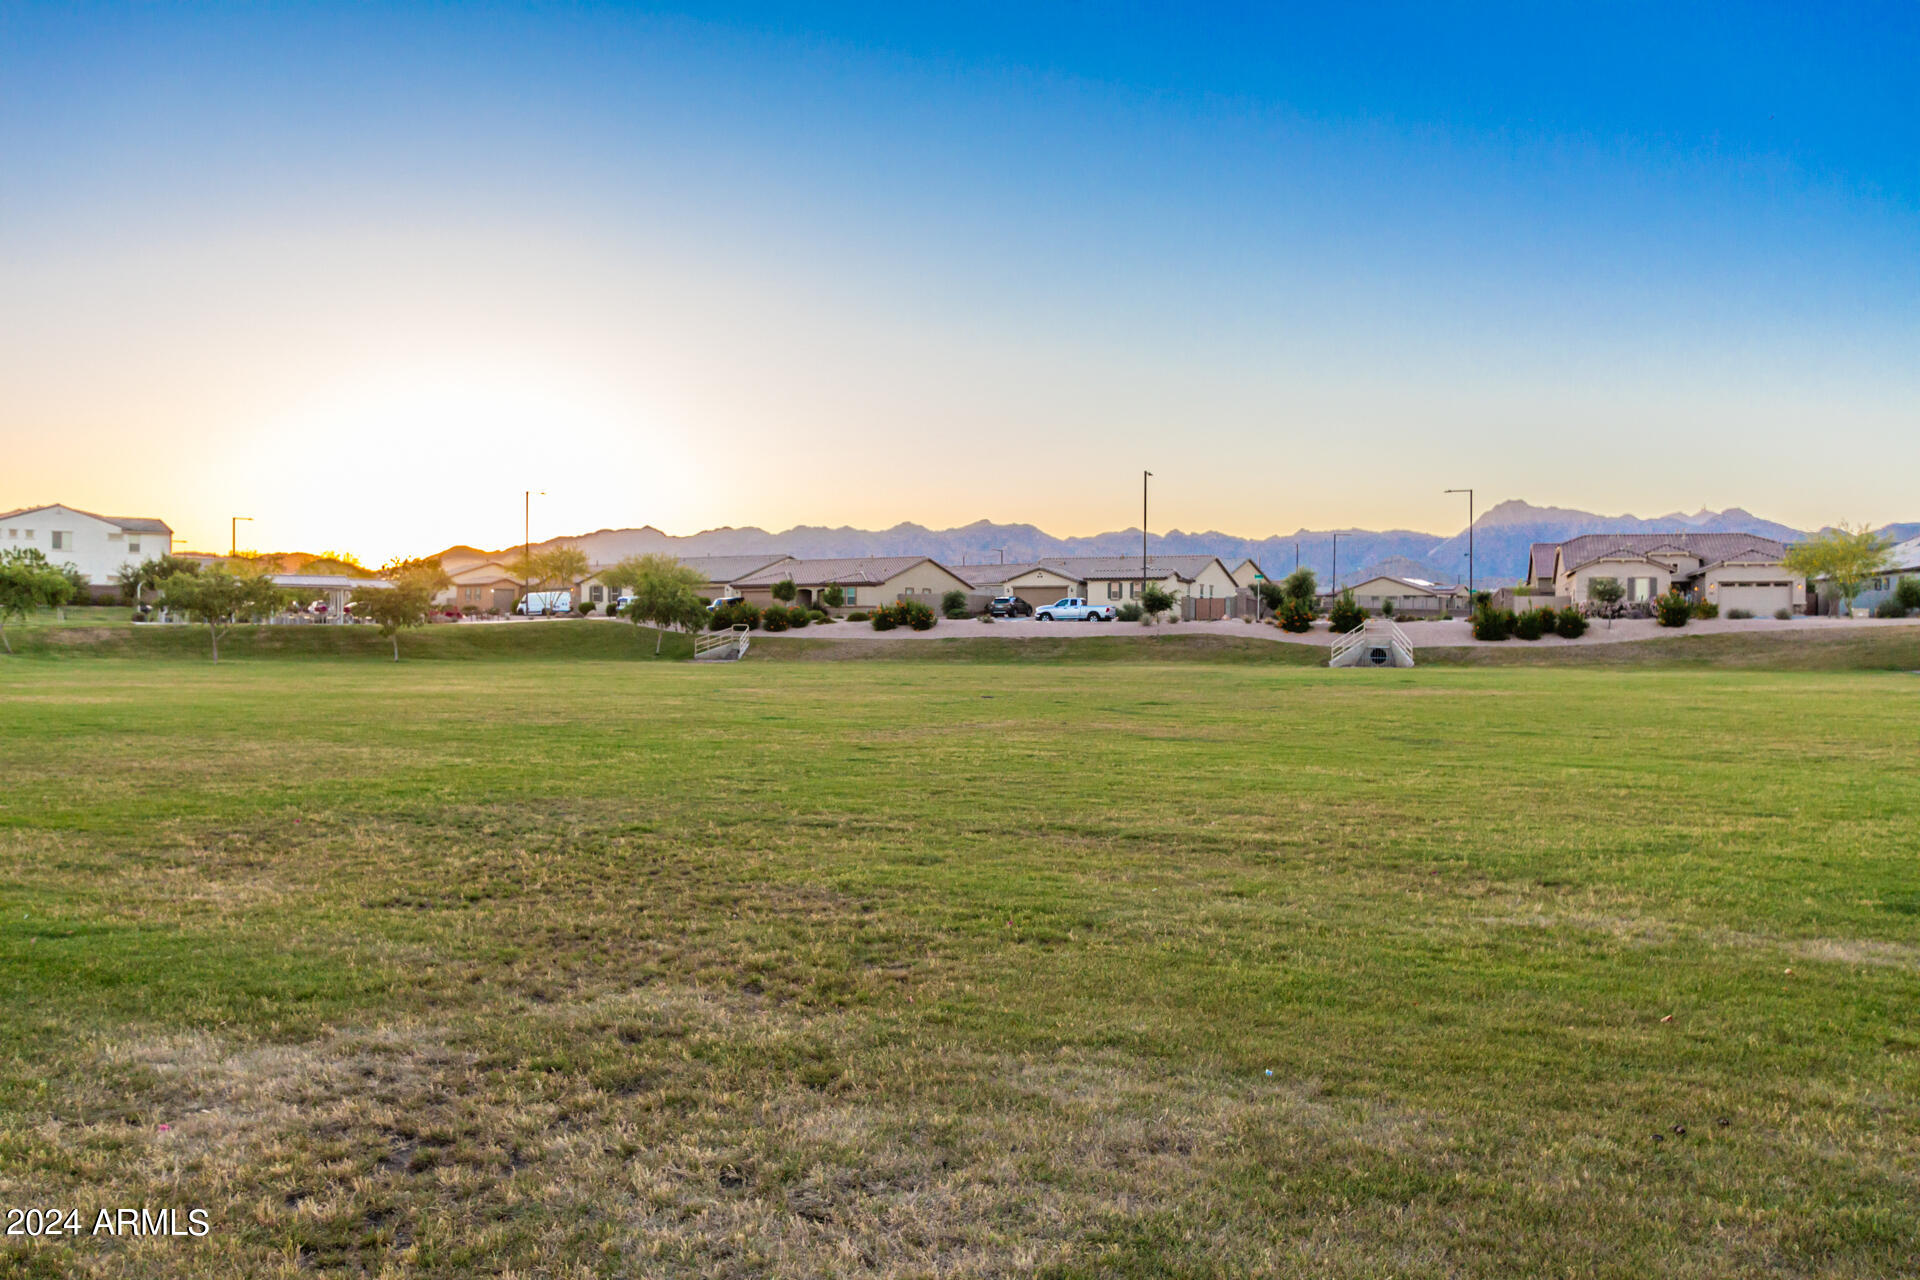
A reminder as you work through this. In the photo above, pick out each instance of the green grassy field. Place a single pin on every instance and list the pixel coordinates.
(1088, 967)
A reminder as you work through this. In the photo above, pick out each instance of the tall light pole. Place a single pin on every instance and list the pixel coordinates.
(1336, 565)
(1469, 494)
(1144, 475)
(233, 534)
(526, 544)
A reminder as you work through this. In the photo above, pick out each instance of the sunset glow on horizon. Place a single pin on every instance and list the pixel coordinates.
(368, 274)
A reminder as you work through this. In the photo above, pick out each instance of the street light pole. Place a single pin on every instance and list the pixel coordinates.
(1143, 533)
(526, 543)
(1336, 565)
(1469, 494)
(233, 535)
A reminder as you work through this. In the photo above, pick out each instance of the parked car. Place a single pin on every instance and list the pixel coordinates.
(1075, 609)
(1009, 607)
(718, 602)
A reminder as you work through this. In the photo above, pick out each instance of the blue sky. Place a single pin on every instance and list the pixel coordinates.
(858, 265)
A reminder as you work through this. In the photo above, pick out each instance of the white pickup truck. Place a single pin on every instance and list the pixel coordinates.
(1074, 609)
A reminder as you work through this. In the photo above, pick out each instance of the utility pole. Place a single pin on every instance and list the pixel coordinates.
(1336, 565)
(1143, 531)
(233, 534)
(1469, 494)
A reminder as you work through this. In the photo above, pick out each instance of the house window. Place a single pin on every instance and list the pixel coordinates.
(1133, 589)
(1113, 591)
(62, 540)
(133, 546)
(853, 595)
(470, 594)
(598, 594)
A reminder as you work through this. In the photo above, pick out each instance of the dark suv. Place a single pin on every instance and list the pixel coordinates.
(1009, 607)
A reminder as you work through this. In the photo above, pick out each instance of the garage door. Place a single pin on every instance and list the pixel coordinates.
(1760, 599)
(1037, 596)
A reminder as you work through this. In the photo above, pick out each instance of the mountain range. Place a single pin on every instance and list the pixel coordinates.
(1501, 537)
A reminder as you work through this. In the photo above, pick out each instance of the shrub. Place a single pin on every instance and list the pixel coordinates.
(1890, 608)
(954, 603)
(1296, 614)
(1526, 625)
(1783, 615)
(1673, 610)
(859, 615)
(1490, 623)
(1386, 608)
(1704, 609)
(784, 591)
(916, 615)
(798, 617)
(820, 615)
(1739, 613)
(1570, 623)
(1906, 593)
(883, 619)
(1345, 615)
(585, 607)
(1130, 612)
(774, 617)
(720, 619)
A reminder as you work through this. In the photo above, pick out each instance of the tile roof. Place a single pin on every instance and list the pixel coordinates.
(129, 524)
(855, 571)
(1082, 568)
(1709, 547)
(1905, 555)
(730, 568)
(990, 575)
(1540, 559)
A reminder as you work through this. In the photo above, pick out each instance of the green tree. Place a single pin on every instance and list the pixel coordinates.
(1845, 557)
(1300, 585)
(425, 569)
(552, 568)
(1607, 593)
(784, 590)
(1156, 600)
(136, 580)
(666, 593)
(954, 603)
(1345, 615)
(1271, 593)
(833, 597)
(27, 583)
(405, 604)
(220, 598)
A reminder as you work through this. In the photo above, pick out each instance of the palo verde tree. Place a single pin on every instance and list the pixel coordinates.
(405, 604)
(220, 598)
(1844, 557)
(27, 583)
(666, 593)
(552, 568)
(426, 570)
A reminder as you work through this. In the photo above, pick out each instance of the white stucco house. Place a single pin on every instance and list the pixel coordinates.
(99, 546)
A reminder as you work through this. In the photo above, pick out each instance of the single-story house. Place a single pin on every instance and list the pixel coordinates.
(99, 546)
(1732, 570)
(1112, 579)
(864, 581)
(1247, 575)
(487, 587)
(1040, 584)
(1411, 596)
(720, 575)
